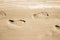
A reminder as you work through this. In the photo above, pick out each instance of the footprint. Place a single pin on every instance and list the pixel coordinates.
(2, 14)
(17, 22)
(57, 28)
(40, 15)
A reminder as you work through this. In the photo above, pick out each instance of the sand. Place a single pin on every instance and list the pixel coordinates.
(34, 21)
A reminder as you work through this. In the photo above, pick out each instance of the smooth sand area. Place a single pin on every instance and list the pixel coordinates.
(25, 23)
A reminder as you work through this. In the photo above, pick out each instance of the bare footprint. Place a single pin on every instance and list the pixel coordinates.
(17, 22)
(57, 28)
(40, 15)
(2, 14)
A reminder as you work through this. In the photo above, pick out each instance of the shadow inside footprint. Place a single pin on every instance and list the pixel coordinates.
(11, 20)
(57, 26)
(22, 20)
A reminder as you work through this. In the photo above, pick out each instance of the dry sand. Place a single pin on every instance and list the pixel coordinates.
(28, 22)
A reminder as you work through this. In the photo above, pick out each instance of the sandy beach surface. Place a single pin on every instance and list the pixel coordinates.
(29, 20)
